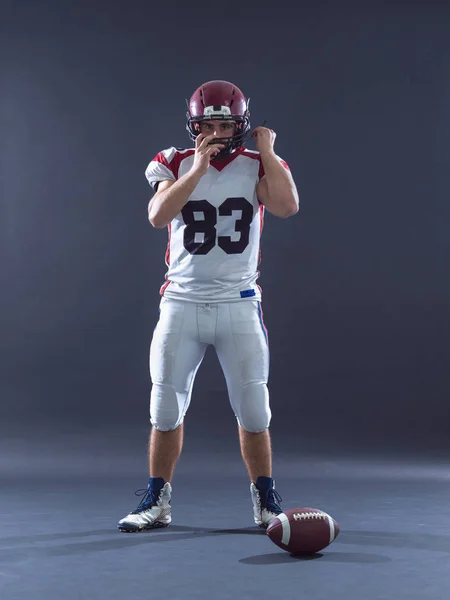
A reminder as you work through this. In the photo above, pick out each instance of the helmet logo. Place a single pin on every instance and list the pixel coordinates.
(217, 111)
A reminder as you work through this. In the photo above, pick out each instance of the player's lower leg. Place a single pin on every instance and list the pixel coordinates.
(164, 449)
(256, 449)
(154, 510)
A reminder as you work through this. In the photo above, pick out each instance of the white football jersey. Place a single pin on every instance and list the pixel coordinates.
(213, 250)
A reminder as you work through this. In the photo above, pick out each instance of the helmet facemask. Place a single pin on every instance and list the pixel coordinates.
(220, 113)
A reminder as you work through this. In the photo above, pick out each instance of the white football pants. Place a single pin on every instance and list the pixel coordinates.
(181, 336)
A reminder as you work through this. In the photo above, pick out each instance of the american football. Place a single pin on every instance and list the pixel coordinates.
(303, 531)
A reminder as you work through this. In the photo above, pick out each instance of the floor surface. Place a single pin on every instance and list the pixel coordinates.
(59, 538)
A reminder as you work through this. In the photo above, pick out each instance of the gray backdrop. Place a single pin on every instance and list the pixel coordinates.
(355, 287)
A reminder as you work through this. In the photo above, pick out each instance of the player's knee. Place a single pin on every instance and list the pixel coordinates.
(254, 414)
(165, 407)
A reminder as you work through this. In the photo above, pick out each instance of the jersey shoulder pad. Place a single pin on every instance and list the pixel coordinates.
(165, 165)
(257, 156)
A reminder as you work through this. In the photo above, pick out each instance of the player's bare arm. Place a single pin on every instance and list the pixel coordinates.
(277, 189)
(173, 195)
(170, 199)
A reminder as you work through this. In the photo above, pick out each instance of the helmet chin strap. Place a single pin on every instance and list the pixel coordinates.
(250, 133)
(228, 150)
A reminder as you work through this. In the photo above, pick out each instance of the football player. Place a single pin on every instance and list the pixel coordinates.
(212, 200)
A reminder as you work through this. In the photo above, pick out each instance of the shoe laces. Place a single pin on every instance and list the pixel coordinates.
(271, 501)
(147, 501)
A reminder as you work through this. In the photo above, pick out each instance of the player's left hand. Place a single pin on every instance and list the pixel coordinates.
(264, 139)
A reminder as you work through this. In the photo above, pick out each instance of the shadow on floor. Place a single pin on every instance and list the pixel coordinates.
(277, 558)
(16, 548)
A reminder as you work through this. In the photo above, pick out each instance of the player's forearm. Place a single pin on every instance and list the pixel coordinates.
(280, 184)
(165, 206)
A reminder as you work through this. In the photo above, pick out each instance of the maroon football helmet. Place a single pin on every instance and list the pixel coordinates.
(219, 100)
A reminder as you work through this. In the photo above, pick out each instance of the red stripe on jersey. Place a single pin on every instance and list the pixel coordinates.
(261, 218)
(261, 170)
(174, 164)
(261, 226)
(169, 231)
(164, 287)
(219, 165)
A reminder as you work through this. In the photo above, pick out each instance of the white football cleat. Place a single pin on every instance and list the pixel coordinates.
(153, 511)
(265, 501)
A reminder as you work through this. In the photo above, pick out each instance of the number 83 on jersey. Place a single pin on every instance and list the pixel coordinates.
(207, 225)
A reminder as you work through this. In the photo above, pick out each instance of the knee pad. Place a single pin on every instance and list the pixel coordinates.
(167, 407)
(253, 411)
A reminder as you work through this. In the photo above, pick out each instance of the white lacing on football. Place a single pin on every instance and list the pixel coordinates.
(309, 515)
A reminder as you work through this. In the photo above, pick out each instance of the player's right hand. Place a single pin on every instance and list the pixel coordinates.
(204, 153)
